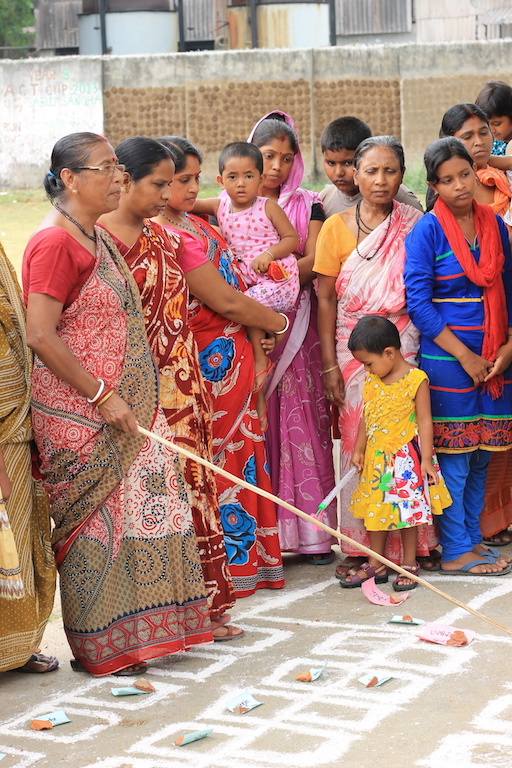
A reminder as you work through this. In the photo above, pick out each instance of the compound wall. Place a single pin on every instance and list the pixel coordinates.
(216, 97)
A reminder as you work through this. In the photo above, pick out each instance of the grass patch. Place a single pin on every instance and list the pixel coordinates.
(21, 212)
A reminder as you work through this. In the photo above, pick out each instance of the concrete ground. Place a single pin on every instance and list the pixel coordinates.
(444, 706)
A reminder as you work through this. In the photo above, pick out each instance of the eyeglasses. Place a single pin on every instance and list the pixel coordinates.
(108, 168)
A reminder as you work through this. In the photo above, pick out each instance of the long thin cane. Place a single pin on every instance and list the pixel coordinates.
(319, 524)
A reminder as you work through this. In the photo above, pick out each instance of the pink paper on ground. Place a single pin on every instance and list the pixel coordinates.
(441, 633)
(377, 597)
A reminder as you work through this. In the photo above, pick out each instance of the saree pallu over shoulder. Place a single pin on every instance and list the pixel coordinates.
(78, 487)
(371, 283)
(131, 580)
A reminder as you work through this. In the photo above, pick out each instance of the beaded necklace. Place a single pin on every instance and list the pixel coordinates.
(180, 224)
(366, 231)
(75, 222)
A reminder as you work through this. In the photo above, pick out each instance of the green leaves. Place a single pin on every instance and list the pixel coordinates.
(15, 16)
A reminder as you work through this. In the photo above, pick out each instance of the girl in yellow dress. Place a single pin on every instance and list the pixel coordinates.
(393, 452)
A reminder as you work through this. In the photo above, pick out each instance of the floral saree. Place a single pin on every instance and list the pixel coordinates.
(227, 365)
(183, 395)
(371, 283)
(130, 575)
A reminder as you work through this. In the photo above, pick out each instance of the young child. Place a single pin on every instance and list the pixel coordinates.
(393, 452)
(339, 142)
(255, 228)
(495, 99)
(260, 235)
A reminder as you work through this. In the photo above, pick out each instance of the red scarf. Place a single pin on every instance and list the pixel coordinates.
(486, 274)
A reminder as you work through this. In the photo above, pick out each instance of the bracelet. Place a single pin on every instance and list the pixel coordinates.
(105, 397)
(92, 400)
(278, 333)
(328, 370)
(270, 254)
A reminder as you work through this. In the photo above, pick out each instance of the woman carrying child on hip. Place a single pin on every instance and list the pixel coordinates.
(393, 451)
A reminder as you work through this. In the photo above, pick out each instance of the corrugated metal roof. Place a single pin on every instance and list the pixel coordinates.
(496, 16)
(201, 19)
(367, 17)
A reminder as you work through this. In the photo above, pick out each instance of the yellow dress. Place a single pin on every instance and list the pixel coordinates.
(391, 492)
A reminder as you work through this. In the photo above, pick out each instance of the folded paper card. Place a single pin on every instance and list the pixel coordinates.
(311, 674)
(372, 681)
(377, 597)
(129, 690)
(405, 620)
(49, 721)
(445, 635)
(189, 737)
(243, 702)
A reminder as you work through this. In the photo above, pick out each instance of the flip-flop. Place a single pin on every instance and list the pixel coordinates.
(326, 558)
(498, 542)
(230, 635)
(464, 571)
(50, 661)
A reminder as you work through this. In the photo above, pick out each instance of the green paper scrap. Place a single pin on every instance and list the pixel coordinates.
(315, 673)
(243, 702)
(401, 620)
(365, 679)
(56, 718)
(129, 690)
(195, 736)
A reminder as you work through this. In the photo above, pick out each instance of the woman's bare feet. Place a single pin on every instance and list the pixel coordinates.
(470, 557)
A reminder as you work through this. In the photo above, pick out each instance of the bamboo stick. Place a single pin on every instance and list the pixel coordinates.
(340, 536)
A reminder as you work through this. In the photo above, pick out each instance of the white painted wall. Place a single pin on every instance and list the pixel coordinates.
(131, 32)
(42, 100)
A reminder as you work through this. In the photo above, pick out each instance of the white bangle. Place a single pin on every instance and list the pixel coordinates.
(287, 323)
(98, 394)
(270, 254)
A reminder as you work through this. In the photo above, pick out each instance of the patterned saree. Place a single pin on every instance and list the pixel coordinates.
(130, 575)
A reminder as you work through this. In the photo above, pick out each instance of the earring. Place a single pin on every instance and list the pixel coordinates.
(74, 192)
(123, 188)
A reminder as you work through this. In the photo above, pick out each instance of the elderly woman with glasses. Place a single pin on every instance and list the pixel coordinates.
(130, 574)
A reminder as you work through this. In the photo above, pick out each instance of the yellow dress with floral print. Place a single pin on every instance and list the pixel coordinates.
(391, 492)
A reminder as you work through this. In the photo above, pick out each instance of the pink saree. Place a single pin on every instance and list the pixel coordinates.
(371, 283)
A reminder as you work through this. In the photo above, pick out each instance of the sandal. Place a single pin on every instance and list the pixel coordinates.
(415, 570)
(320, 558)
(380, 574)
(346, 565)
(430, 562)
(37, 660)
(497, 540)
(227, 632)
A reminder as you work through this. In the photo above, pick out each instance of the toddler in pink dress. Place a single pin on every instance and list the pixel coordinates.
(256, 229)
(262, 238)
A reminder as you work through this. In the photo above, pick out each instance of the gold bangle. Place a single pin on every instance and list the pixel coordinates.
(328, 370)
(105, 398)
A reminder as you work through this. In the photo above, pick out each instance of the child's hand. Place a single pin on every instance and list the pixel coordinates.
(261, 262)
(6, 485)
(268, 344)
(427, 469)
(358, 460)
